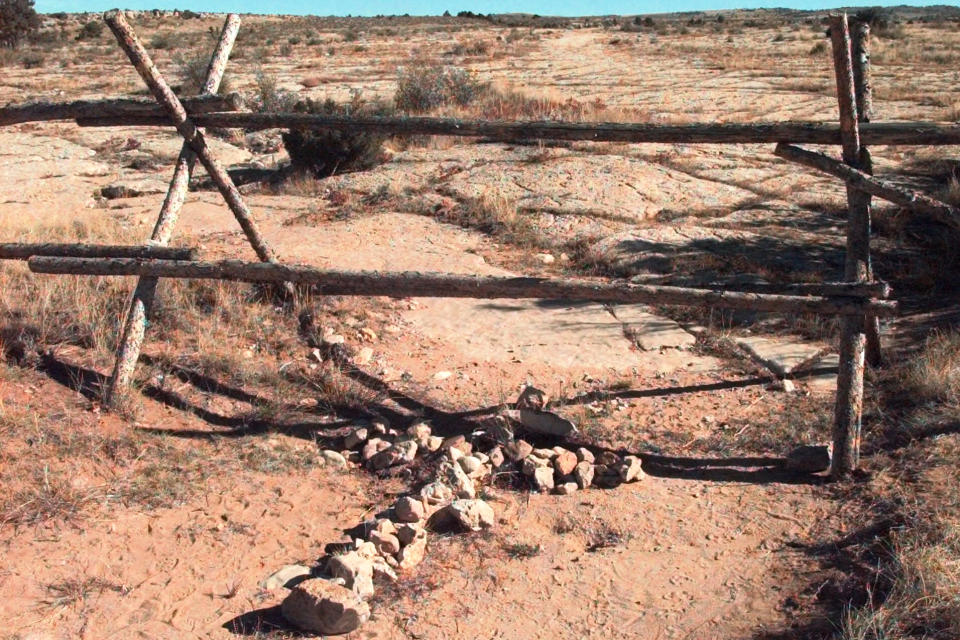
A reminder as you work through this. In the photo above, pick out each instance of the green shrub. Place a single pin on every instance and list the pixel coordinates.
(18, 22)
(270, 98)
(428, 88)
(91, 30)
(326, 152)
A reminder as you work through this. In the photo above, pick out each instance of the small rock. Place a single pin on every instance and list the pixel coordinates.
(380, 427)
(470, 515)
(332, 339)
(324, 607)
(809, 458)
(545, 422)
(531, 463)
(387, 544)
(566, 488)
(365, 549)
(383, 525)
(401, 452)
(606, 476)
(518, 450)
(585, 455)
(364, 356)
(532, 398)
(333, 458)
(420, 432)
(786, 385)
(458, 442)
(383, 569)
(436, 493)
(412, 554)
(356, 571)
(543, 478)
(459, 481)
(288, 576)
(372, 448)
(471, 465)
(408, 509)
(352, 456)
(583, 474)
(546, 454)
(454, 454)
(496, 457)
(565, 463)
(406, 533)
(434, 443)
(545, 258)
(356, 437)
(631, 469)
(608, 458)
(442, 375)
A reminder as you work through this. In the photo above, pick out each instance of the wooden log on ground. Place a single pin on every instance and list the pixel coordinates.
(141, 60)
(883, 133)
(117, 109)
(26, 250)
(862, 181)
(134, 328)
(842, 289)
(849, 402)
(445, 285)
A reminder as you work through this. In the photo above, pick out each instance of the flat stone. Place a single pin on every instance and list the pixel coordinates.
(780, 355)
(324, 607)
(651, 332)
(546, 454)
(545, 422)
(288, 576)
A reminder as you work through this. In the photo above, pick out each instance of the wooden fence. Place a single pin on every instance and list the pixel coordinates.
(859, 301)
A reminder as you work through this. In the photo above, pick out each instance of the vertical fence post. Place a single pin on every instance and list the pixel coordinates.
(849, 402)
(131, 340)
(863, 89)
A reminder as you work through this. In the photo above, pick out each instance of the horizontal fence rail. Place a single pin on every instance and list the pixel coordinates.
(26, 250)
(115, 108)
(444, 285)
(883, 133)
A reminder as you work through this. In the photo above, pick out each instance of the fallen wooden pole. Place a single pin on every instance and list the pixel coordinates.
(117, 109)
(842, 289)
(443, 285)
(864, 182)
(849, 402)
(135, 326)
(883, 133)
(26, 250)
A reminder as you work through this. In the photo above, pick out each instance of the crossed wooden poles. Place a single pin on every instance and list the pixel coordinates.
(858, 301)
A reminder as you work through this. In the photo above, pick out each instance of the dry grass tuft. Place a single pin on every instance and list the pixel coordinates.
(933, 375)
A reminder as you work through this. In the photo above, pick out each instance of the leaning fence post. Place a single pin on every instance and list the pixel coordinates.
(849, 402)
(863, 89)
(131, 340)
(188, 129)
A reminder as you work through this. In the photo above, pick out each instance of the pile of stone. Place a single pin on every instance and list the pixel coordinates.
(331, 598)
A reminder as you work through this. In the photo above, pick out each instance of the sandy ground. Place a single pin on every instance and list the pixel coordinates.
(705, 553)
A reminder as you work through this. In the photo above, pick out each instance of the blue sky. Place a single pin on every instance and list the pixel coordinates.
(436, 7)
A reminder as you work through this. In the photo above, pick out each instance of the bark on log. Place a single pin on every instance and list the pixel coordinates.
(444, 285)
(883, 133)
(107, 109)
(882, 189)
(188, 129)
(26, 250)
(849, 402)
(134, 328)
(842, 289)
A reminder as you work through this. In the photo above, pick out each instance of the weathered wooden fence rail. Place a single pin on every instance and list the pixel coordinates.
(858, 301)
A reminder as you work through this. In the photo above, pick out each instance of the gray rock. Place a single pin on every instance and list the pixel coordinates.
(543, 478)
(387, 544)
(409, 509)
(288, 576)
(373, 447)
(545, 422)
(356, 437)
(547, 454)
(531, 463)
(809, 458)
(496, 457)
(583, 474)
(324, 607)
(434, 443)
(383, 570)
(566, 488)
(459, 481)
(585, 455)
(471, 515)
(436, 493)
(471, 465)
(458, 442)
(407, 533)
(412, 553)
(333, 458)
(356, 571)
(400, 453)
(631, 469)
(517, 450)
